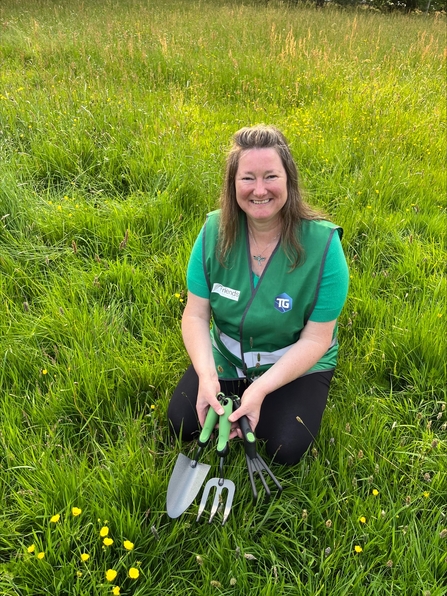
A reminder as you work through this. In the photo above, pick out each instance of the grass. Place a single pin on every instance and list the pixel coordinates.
(114, 120)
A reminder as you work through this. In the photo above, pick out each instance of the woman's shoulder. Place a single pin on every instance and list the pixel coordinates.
(213, 215)
(318, 227)
(312, 233)
(213, 218)
(211, 227)
(317, 223)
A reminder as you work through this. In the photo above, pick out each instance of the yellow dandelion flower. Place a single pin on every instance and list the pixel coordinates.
(358, 549)
(177, 295)
(40, 555)
(107, 542)
(85, 557)
(31, 548)
(44, 372)
(134, 573)
(104, 531)
(362, 520)
(55, 518)
(79, 573)
(152, 407)
(110, 575)
(76, 511)
(375, 492)
(426, 494)
(116, 591)
(128, 545)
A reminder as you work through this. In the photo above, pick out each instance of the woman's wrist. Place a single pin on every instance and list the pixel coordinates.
(208, 376)
(255, 394)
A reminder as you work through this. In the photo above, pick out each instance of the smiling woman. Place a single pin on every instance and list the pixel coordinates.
(270, 273)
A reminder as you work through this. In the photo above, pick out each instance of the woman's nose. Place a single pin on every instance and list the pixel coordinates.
(259, 189)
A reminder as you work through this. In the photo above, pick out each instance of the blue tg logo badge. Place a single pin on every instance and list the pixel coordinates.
(283, 303)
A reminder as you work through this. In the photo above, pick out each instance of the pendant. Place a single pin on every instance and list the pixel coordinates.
(259, 259)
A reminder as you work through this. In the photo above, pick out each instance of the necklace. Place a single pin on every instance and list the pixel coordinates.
(259, 258)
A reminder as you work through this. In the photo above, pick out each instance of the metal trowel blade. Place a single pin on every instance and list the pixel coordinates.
(185, 483)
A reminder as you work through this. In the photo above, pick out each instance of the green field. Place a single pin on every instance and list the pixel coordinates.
(114, 121)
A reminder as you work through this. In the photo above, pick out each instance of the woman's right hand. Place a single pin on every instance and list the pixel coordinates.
(207, 398)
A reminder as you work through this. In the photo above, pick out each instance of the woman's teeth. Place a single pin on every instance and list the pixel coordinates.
(261, 202)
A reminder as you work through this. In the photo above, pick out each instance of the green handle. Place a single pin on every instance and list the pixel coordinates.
(208, 427)
(249, 437)
(224, 428)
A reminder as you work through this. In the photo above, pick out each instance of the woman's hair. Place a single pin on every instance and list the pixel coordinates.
(295, 208)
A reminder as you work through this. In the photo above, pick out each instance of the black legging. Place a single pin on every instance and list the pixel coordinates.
(287, 438)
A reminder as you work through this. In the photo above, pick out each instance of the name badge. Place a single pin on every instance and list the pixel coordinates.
(226, 292)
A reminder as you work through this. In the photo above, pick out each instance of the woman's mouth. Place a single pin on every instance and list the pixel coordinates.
(263, 202)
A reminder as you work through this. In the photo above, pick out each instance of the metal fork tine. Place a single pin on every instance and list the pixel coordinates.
(206, 492)
(250, 475)
(228, 502)
(259, 470)
(270, 473)
(215, 504)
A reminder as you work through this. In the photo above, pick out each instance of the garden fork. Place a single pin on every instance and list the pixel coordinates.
(220, 484)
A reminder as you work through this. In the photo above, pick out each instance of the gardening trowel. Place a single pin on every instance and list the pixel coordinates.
(188, 474)
(186, 481)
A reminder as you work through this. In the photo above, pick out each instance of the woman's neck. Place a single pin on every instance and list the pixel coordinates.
(264, 231)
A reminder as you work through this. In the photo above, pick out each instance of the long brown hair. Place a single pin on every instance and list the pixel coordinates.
(295, 208)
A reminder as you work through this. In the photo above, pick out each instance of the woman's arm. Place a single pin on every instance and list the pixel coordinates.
(314, 342)
(197, 340)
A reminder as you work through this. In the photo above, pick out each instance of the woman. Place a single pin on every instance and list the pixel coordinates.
(269, 273)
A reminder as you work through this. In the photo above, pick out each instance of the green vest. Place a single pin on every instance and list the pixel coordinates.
(253, 326)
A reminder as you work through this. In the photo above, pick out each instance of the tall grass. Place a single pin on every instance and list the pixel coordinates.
(114, 121)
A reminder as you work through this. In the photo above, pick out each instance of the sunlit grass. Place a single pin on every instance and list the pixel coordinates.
(114, 120)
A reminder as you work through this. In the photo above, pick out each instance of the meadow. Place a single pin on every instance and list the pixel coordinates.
(114, 122)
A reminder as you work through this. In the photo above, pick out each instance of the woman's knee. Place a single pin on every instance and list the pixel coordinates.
(182, 415)
(288, 451)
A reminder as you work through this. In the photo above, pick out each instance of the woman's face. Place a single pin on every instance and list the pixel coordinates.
(261, 184)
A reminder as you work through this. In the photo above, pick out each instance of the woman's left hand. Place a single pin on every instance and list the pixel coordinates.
(251, 403)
